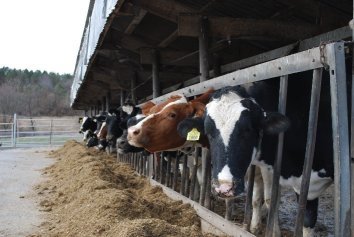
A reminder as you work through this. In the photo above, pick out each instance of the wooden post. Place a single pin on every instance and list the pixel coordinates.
(122, 97)
(204, 75)
(108, 101)
(132, 87)
(103, 105)
(155, 74)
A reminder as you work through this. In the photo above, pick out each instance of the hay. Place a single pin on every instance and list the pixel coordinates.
(90, 194)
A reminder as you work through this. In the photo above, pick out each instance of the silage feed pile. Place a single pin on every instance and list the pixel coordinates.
(88, 193)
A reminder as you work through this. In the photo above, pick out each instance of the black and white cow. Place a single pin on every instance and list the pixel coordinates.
(241, 131)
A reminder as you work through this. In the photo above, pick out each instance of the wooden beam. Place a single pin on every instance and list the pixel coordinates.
(169, 39)
(167, 9)
(243, 28)
(135, 22)
(166, 57)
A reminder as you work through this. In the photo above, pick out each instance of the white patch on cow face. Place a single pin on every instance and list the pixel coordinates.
(103, 125)
(128, 109)
(225, 175)
(86, 135)
(225, 112)
(83, 121)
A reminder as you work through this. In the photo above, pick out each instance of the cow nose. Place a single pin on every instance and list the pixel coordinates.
(222, 189)
(134, 131)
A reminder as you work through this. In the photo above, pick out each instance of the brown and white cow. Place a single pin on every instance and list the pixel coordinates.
(158, 131)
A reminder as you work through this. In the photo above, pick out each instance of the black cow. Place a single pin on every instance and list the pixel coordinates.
(241, 131)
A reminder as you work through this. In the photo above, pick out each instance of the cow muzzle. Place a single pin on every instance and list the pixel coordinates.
(227, 189)
(136, 137)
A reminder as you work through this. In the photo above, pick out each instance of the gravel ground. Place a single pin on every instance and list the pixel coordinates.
(19, 172)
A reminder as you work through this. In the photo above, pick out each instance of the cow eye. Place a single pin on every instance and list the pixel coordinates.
(172, 115)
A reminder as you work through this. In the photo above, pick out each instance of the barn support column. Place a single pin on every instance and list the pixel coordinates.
(103, 105)
(108, 101)
(341, 156)
(155, 74)
(132, 86)
(92, 110)
(352, 132)
(204, 199)
(155, 93)
(122, 97)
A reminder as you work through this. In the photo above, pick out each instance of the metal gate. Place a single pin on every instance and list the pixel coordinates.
(31, 132)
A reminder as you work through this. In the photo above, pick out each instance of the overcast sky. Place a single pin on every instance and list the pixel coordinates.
(41, 34)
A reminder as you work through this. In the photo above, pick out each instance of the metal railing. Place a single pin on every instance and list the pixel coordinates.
(29, 132)
(330, 57)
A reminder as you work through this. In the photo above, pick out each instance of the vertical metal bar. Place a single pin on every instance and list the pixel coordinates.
(15, 130)
(207, 202)
(161, 165)
(336, 61)
(277, 164)
(248, 207)
(168, 171)
(183, 175)
(175, 174)
(205, 163)
(228, 207)
(352, 134)
(155, 73)
(310, 149)
(187, 182)
(194, 174)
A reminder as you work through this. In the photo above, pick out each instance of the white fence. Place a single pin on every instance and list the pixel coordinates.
(30, 132)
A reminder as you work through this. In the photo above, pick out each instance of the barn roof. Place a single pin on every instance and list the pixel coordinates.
(121, 37)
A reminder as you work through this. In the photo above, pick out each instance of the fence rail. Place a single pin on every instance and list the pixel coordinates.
(28, 132)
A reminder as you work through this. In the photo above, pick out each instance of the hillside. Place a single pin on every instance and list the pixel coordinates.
(34, 93)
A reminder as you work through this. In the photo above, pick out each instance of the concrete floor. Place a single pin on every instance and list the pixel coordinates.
(19, 172)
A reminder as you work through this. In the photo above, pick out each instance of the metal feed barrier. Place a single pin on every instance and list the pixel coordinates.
(31, 132)
(330, 57)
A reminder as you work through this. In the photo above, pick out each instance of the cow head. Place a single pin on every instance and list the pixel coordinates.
(158, 131)
(233, 123)
(136, 115)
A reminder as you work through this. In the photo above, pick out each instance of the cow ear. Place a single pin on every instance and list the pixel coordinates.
(275, 123)
(198, 109)
(186, 125)
(145, 108)
(204, 98)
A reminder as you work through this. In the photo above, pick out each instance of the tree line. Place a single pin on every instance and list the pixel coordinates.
(34, 93)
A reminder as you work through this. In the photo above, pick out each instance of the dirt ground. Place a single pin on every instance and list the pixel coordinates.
(19, 171)
(90, 194)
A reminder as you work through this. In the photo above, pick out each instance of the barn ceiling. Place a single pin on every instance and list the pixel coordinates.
(237, 29)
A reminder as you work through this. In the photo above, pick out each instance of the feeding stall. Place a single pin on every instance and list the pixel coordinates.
(145, 50)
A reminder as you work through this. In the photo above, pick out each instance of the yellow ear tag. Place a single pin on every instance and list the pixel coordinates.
(193, 135)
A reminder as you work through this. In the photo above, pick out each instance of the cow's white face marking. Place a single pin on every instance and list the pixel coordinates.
(182, 100)
(128, 109)
(225, 112)
(86, 135)
(83, 121)
(225, 175)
